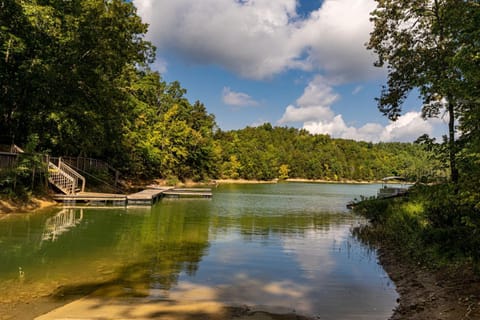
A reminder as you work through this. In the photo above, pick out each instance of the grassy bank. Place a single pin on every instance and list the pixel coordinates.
(429, 243)
(438, 225)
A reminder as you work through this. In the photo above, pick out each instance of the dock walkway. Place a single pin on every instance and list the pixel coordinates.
(189, 192)
(93, 197)
(147, 196)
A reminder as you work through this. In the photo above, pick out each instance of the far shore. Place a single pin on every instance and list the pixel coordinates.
(299, 180)
(8, 206)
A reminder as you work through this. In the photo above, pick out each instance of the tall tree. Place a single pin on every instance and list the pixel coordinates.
(61, 79)
(414, 40)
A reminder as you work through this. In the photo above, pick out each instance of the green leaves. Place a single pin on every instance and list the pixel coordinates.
(427, 45)
(266, 153)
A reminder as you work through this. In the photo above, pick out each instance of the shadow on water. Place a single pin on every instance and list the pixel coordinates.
(114, 253)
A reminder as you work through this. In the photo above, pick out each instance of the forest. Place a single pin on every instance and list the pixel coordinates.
(75, 81)
(267, 152)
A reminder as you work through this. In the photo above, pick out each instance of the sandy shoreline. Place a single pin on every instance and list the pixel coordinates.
(9, 206)
(138, 308)
(443, 294)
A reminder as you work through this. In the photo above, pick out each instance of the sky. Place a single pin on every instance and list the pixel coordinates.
(295, 63)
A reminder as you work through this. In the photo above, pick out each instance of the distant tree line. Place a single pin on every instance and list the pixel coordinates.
(267, 152)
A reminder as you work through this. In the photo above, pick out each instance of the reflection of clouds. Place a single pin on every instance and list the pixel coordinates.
(314, 268)
(283, 295)
(312, 251)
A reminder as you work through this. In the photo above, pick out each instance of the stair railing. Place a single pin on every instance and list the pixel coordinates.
(74, 174)
(61, 179)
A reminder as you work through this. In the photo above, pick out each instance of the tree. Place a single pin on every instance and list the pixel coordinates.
(61, 61)
(414, 40)
(283, 172)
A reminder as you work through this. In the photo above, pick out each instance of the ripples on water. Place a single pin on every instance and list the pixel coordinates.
(283, 245)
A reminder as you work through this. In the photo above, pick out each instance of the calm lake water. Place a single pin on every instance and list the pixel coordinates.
(285, 246)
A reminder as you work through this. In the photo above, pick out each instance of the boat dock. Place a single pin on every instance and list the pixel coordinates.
(92, 198)
(189, 192)
(148, 196)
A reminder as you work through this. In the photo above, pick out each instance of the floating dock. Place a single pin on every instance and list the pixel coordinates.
(189, 193)
(92, 197)
(145, 197)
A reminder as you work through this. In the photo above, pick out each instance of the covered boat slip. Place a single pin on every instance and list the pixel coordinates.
(145, 197)
(387, 191)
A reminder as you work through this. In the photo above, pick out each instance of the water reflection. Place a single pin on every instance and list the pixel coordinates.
(269, 245)
(63, 221)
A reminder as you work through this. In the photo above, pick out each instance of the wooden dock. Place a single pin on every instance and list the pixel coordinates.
(189, 193)
(145, 197)
(92, 197)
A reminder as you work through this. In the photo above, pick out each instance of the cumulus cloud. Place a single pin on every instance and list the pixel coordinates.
(313, 105)
(338, 32)
(237, 99)
(260, 38)
(406, 129)
(314, 111)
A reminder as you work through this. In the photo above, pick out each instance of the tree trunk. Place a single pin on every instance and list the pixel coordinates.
(451, 143)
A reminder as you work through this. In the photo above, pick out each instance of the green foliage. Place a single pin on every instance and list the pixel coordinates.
(268, 152)
(434, 224)
(60, 81)
(429, 46)
(164, 134)
(27, 176)
(74, 74)
(283, 172)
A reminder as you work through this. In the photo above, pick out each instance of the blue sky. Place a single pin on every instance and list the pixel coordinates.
(299, 63)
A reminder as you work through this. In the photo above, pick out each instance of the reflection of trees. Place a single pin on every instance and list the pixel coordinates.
(169, 241)
(20, 239)
(120, 251)
(253, 226)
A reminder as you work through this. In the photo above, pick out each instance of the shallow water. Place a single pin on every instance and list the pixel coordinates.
(287, 246)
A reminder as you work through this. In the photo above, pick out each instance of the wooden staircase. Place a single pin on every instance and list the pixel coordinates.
(60, 174)
(65, 178)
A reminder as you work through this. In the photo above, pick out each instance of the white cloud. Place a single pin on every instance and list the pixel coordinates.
(260, 38)
(313, 105)
(337, 34)
(237, 99)
(406, 129)
(299, 114)
(314, 110)
(357, 90)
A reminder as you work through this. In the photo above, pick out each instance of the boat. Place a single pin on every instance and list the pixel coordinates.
(390, 191)
(385, 191)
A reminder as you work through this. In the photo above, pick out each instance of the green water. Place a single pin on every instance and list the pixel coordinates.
(282, 245)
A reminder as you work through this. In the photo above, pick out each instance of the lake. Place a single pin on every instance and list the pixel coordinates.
(287, 246)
